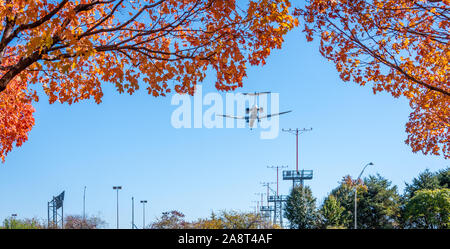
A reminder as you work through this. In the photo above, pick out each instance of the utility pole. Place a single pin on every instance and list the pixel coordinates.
(117, 188)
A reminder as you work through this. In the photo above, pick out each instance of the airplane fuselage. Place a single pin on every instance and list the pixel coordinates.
(253, 115)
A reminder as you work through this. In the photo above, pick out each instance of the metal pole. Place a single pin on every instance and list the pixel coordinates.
(132, 212)
(143, 215)
(117, 188)
(357, 179)
(62, 216)
(355, 208)
(296, 134)
(84, 207)
(117, 208)
(277, 181)
(48, 215)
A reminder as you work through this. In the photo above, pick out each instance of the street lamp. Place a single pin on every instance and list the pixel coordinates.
(356, 226)
(143, 211)
(84, 207)
(117, 188)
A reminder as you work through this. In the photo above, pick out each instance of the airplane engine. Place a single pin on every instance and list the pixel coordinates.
(247, 110)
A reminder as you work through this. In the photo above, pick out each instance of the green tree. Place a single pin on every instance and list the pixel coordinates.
(300, 208)
(377, 202)
(379, 206)
(425, 180)
(22, 224)
(332, 213)
(344, 193)
(233, 220)
(429, 209)
(443, 177)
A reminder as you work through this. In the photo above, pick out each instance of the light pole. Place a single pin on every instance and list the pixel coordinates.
(143, 213)
(84, 207)
(356, 226)
(132, 212)
(117, 188)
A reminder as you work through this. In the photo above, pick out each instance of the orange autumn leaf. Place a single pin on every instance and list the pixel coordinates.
(72, 47)
(398, 46)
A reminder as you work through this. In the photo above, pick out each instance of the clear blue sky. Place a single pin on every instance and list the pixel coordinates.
(129, 141)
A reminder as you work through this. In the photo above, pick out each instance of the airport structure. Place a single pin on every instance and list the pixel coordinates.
(297, 176)
(267, 210)
(54, 216)
(273, 211)
(277, 201)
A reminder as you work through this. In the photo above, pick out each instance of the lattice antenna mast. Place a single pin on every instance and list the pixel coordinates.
(277, 167)
(296, 132)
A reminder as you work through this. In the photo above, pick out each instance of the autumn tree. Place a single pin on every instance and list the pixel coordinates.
(77, 222)
(71, 48)
(399, 46)
(378, 203)
(170, 220)
(345, 195)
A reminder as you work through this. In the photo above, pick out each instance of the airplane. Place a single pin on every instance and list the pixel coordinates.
(253, 112)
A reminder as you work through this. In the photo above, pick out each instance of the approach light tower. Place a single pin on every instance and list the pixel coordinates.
(55, 212)
(266, 211)
(297, 176)
(277, 200)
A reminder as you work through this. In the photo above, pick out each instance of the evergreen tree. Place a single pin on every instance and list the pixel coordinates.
(425, 180)
(377, 202)
(332, 213)
(380, 204)
(300, 208)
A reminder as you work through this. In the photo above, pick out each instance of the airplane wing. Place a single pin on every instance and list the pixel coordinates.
(231, 116)
(255, 94)
(275, 114)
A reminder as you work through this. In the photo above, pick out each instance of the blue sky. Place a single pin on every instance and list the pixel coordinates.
(129, 141)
